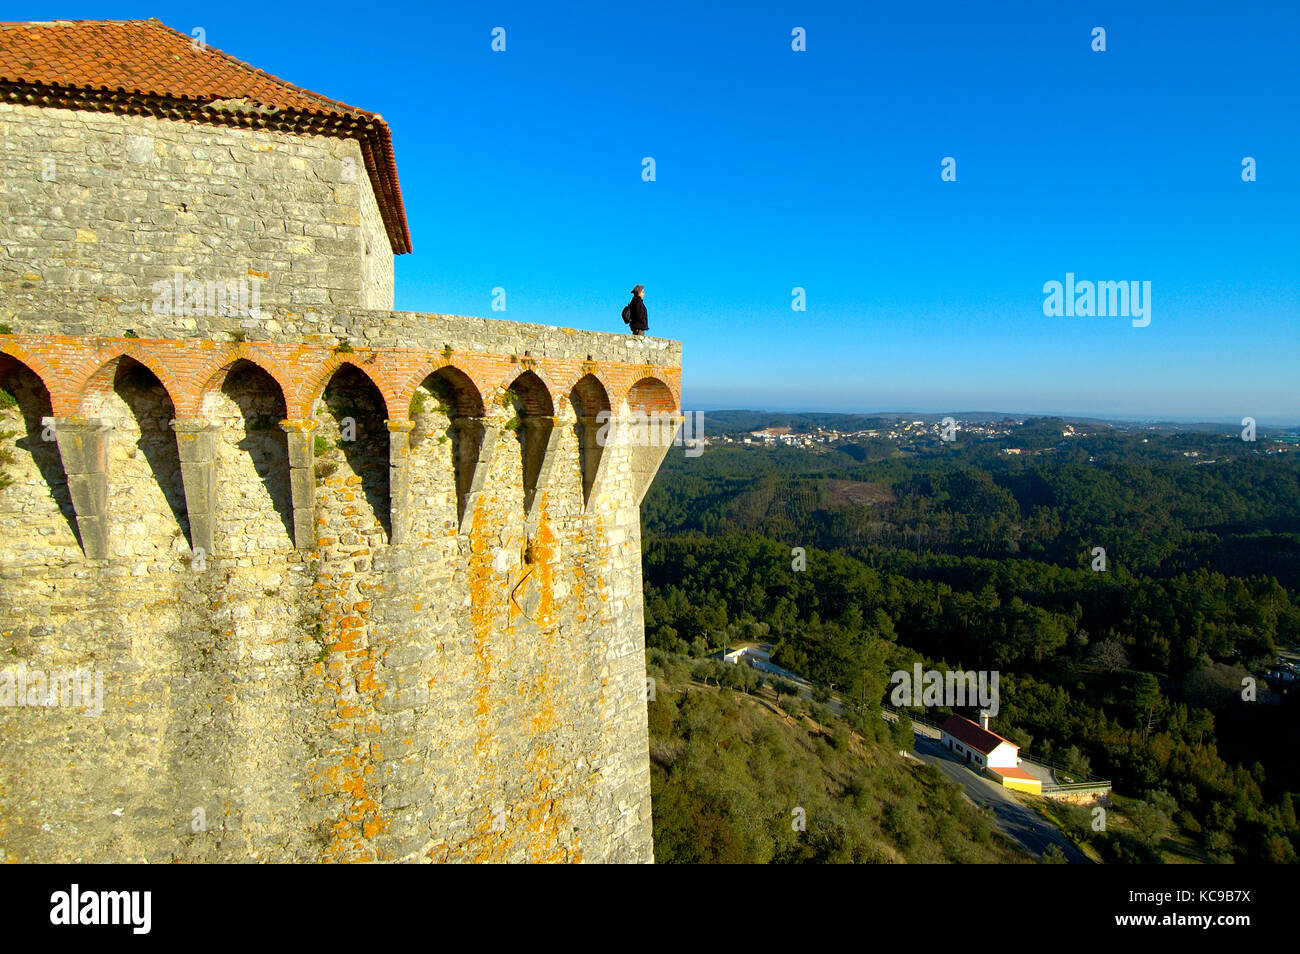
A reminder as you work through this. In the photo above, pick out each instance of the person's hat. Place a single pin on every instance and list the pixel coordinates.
(638, 289)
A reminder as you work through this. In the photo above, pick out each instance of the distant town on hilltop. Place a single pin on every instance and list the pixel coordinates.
(913, 432)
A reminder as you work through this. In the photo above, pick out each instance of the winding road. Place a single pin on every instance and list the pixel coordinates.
(1026, 826)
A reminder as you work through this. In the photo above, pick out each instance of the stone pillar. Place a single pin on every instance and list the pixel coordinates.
(83, 446)
(399, 495)
(302, 480)
(196, 440)
(541, 447)
(593, 434)
(473, 441)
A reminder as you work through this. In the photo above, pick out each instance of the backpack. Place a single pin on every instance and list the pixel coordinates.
(627, 314)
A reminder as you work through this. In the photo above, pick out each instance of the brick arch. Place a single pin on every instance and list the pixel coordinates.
(571, 379)
(60, 401)
(99, 379)
(214, 374)
(592, 392)
(408, 390)
(651, 394)
(319, 381)
(363, 457)
(532, 395)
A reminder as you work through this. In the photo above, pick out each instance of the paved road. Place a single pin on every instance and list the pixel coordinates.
(1027, 827)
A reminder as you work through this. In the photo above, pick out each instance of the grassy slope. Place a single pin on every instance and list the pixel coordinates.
(728, 771)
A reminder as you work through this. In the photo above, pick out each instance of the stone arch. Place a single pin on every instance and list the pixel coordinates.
(591, 407)
(147, 515)
(649, 430)
(253, 497)
(50, 380)
(448, 414)
(216, 373)
(532, 410)
(570, 381)
(589, 396)
(95, 386)
(459, 391)
(461, 378)
(321, 380)
(534, 394)
(353, 453)
(650, 395)
(35, 502)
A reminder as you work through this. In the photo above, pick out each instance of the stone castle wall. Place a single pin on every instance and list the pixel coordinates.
(359, 584)
(472, 692)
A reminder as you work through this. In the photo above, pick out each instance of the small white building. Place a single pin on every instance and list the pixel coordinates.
(749, 655)
(976, 744)
(992, 754)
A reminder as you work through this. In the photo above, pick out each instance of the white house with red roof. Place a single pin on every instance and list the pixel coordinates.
(994, 755)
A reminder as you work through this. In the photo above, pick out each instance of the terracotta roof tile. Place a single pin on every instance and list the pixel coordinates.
(972, 735)
(152, 69)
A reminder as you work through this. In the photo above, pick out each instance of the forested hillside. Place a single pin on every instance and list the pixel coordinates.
(964, 557)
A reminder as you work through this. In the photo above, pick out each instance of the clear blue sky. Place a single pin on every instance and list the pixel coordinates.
(821, 169)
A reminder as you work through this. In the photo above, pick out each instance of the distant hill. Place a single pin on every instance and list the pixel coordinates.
(735, 421)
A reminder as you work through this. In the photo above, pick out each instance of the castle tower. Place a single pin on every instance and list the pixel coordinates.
(286, 575)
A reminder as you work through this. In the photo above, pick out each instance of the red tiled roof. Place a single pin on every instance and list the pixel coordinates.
(145, 67)
(972, 736)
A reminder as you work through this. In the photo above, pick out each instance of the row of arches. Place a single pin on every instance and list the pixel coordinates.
(239, 496)
(79, 384)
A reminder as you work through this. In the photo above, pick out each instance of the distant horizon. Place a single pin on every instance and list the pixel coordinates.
(974, 413)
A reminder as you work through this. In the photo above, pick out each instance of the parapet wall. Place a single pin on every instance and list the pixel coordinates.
(360, 586)
(40, 309)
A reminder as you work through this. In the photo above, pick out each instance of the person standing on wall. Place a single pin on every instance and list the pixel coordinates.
(634, 312)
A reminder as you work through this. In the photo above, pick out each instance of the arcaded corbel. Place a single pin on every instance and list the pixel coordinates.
(474, 439)
(302, 479)
(196, 443)
(541, 449)
(399, 495)
(83, 448)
